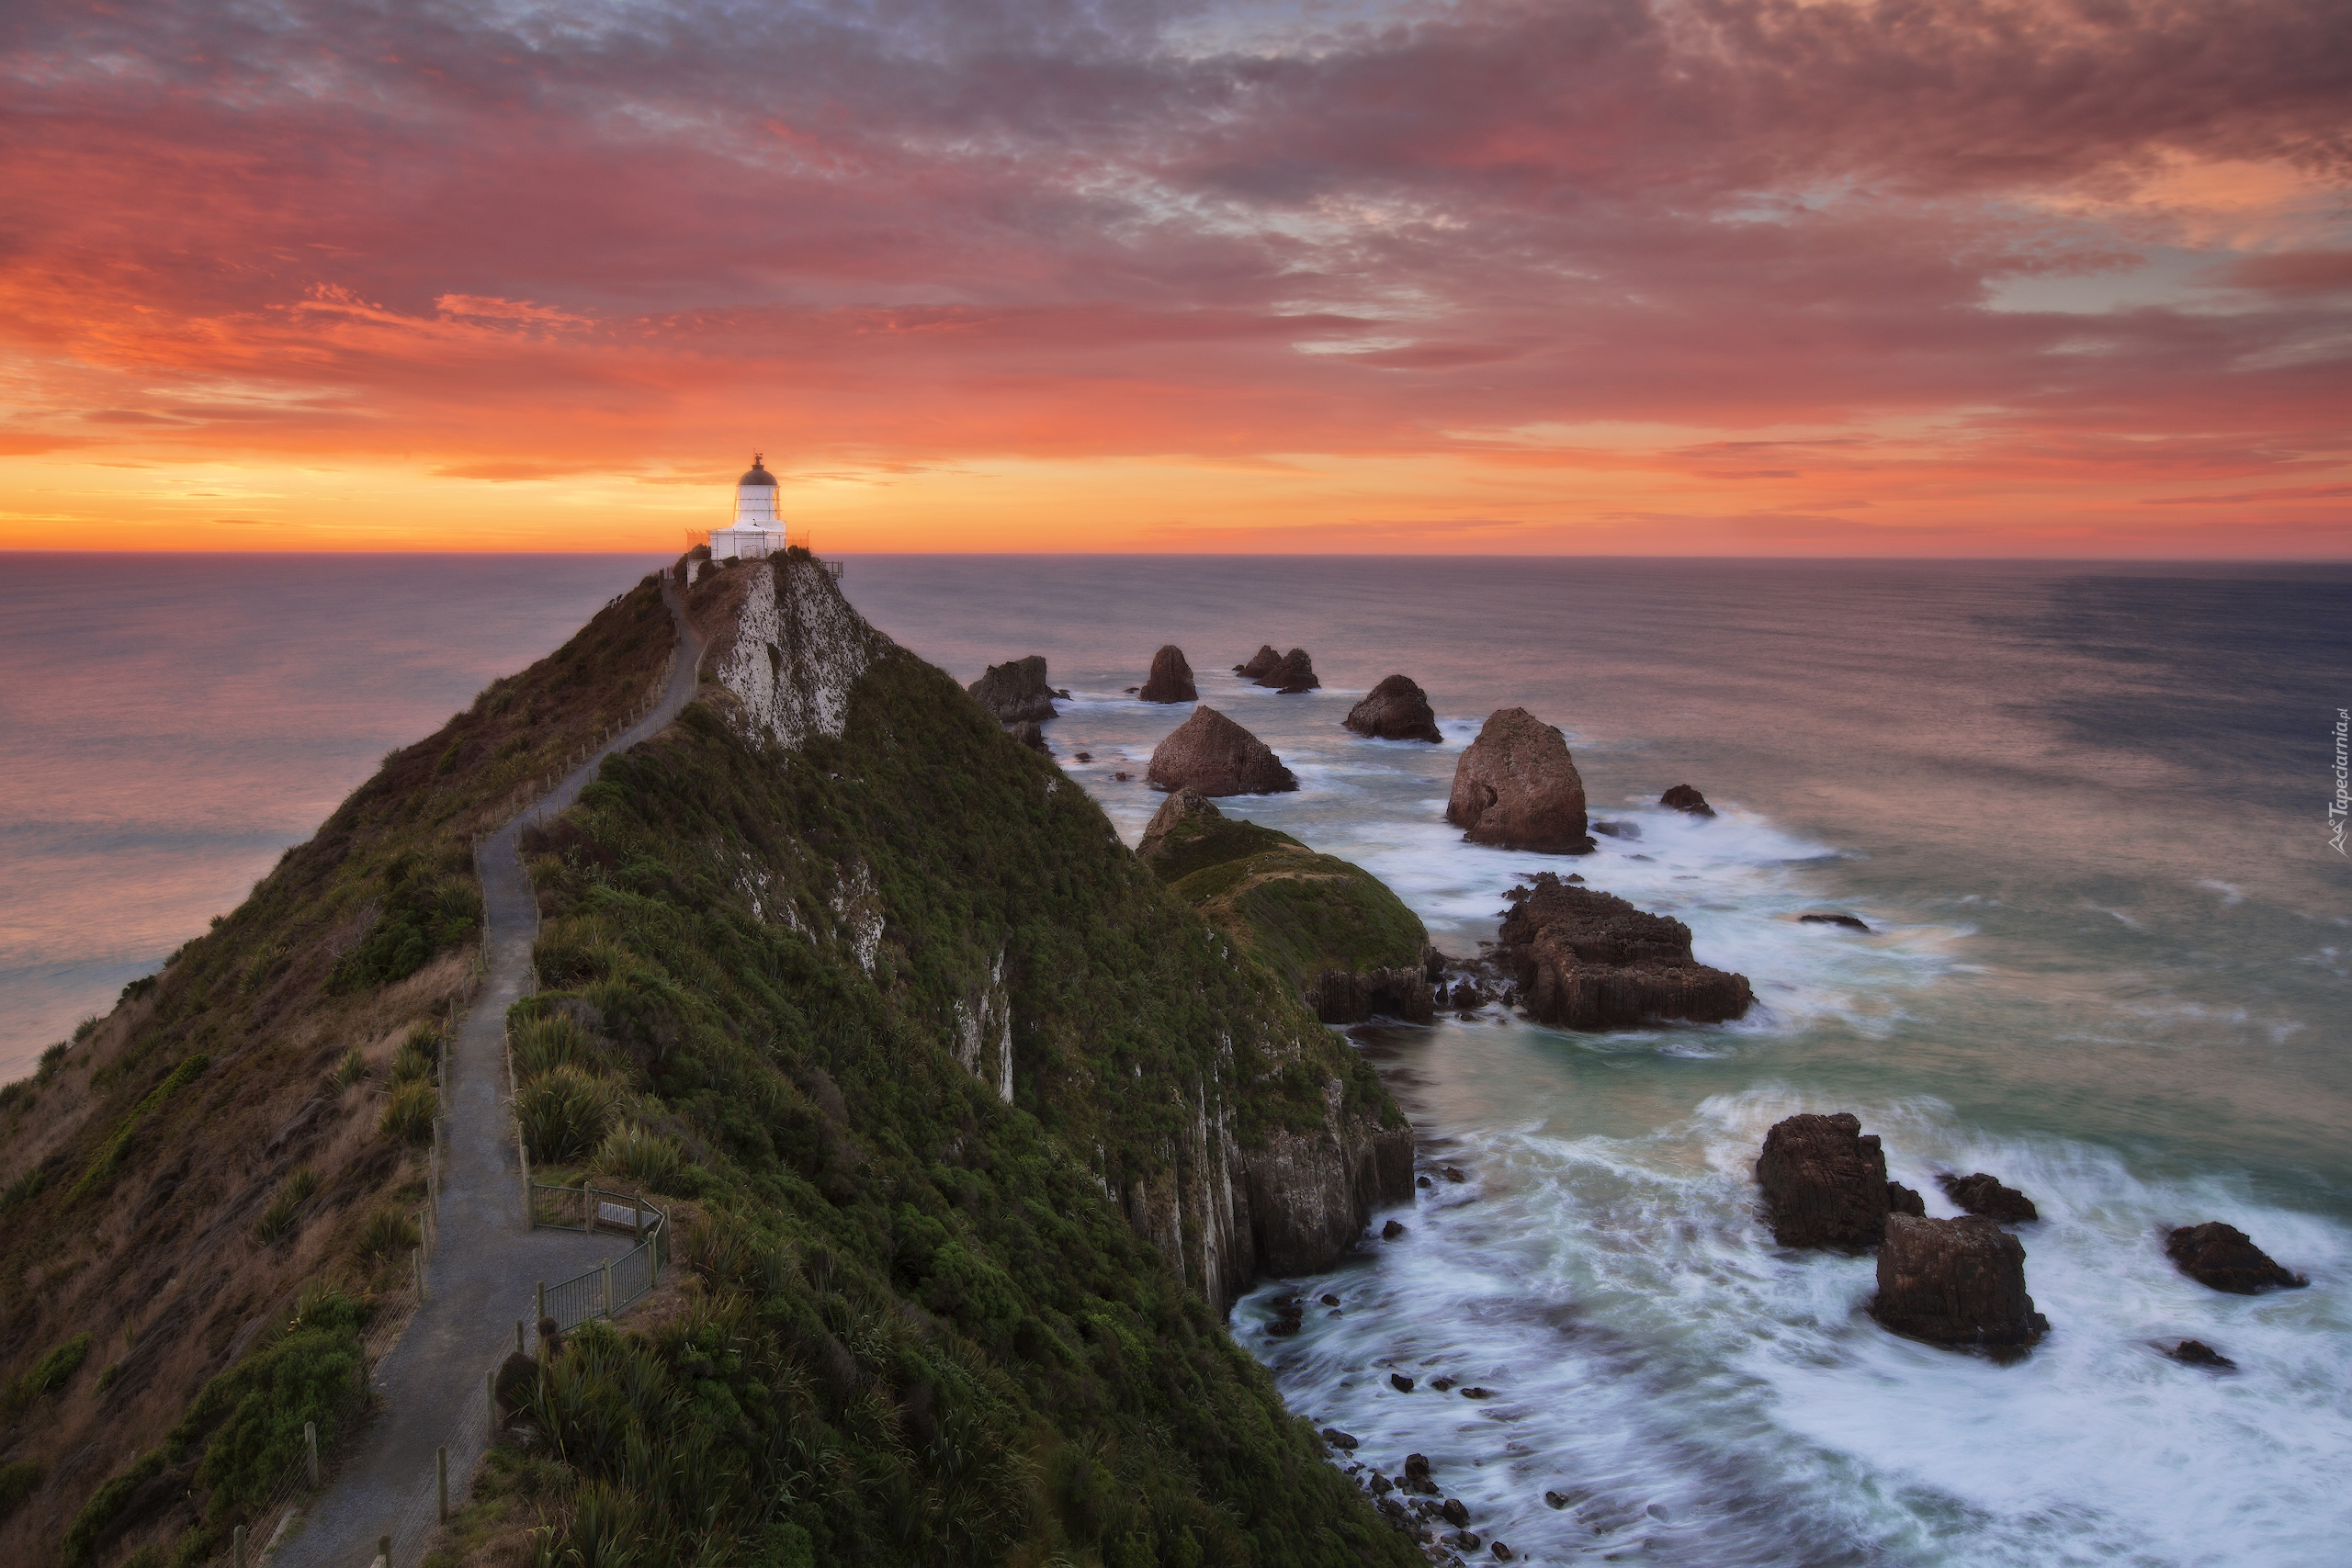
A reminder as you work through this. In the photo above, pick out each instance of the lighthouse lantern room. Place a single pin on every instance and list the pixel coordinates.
(757, 531)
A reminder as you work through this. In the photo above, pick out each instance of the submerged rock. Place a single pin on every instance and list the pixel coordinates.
(1016, 690)
(1397, 709)
(2226, 1259)
(1170, 680)
(1517, 788)
(1589, 960)
(1210, 754)
(1265, 658)
(1985, 1195)
(1849, 921)
(1294, 671)
(1825, 1183)
(2197, 1353)
(1957, 1282)
(1682, 797)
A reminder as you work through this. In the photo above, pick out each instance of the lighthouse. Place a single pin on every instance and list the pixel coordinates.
(757, 531)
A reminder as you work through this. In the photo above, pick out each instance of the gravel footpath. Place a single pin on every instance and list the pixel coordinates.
(482, 1277)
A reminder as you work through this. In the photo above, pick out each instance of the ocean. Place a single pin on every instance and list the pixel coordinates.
(2083, 808)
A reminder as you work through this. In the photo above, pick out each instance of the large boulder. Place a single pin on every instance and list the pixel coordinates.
(1825, 1183)
(1397, 709)
(1170, 680)
(1589, 960)
(1955, 1282)
(2226, 1259)
(1292, 673)
(1265, 658)
(1016, 690)
(1682, 797)
(1210, 754)
(1985, 1195)
(1516, 788)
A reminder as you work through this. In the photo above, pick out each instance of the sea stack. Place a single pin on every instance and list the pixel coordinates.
(1210, 754)
(1682, 797)
(1265, 658)
(1985, 1195)
(1015, 691)
(1170, 680)
(1825, 1183)
(1589, 960)
(1517, 788)
(2225, 1258)
(1294, 671)
(1959, 1282)
(1397, 709)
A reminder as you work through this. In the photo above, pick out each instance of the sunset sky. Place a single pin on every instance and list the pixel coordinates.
(1932, 277)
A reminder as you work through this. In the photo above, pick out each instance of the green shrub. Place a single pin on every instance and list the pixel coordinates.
(422, 915)
(18, 1478)
(563, 1114)
(408, 1114)
(51, 1060)
(25, 1187)
(418, 1055)
(543, 1044)
(646, 1158)
(250, 1418)
(84, 1029)
(389, 1233)
(277, 1222)
(53, 1371)
(82, 1535)
(351, 1069)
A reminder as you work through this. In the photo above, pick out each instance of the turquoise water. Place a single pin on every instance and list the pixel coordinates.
(2081, 807)
(2082, 810)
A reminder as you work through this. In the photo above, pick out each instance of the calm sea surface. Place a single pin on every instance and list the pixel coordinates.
(2083, 809)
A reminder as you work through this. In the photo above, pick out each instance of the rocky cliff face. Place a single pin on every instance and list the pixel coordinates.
(1233, 1192)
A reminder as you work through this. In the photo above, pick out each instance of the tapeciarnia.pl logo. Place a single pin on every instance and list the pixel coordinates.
(2341, 806)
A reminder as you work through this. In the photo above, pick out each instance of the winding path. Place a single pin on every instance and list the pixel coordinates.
(489, 1259)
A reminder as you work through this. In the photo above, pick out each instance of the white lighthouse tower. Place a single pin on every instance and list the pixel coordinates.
(757, 531)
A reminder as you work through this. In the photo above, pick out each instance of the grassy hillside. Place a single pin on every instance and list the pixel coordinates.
(216, 1175)
(914, 1329)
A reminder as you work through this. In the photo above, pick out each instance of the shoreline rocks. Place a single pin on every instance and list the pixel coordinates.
(2226, 1258)
(1983, 1195)
(1682, 797)
(1958, 1283)
(1397, 709)
(1015, 691)
(1292, 674)
(1516, 788)
(1824, 1184)
(1588, 960)
(1212, 755)
(1170, 680)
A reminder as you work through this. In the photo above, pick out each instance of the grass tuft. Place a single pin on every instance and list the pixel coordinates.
(278, 1221)
(564, 1114)
(408, 1114)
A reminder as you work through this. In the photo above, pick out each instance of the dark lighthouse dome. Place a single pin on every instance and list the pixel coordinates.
(758, 476)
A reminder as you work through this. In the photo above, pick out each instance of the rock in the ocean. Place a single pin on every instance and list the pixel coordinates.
(1392, 1231)
(1339, 1439)
(1265, 658)
(1955, 1282)
(1417, 1475)
(1397, 709)
(2197, 1353)
(1825, 1183)
(1617, 830)
(1850, 922)
(1400, 1382)
(1292, 673)
(1210, 754)
(1016, 690)
(2226, 1259)
(1589, 960)
(1682, 797)
(1516, 788)
(1170, 680)
(1029, 735)
(1985, 1195)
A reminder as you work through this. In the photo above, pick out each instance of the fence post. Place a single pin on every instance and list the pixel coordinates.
(638, 1204)
(237, 1549)
(518, 1336)
(608, 1288)
(310, 1450)
(416, 1259)
(384, 1550)
(441, 1480)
